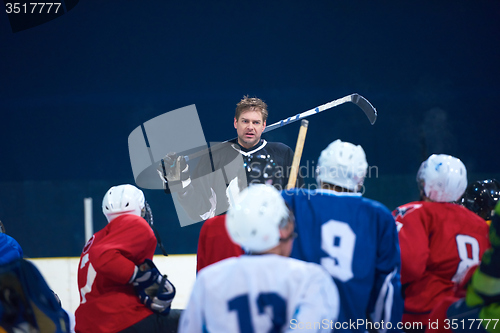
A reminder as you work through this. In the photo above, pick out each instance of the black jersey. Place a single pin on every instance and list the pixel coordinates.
(281, 154)
(220, 171)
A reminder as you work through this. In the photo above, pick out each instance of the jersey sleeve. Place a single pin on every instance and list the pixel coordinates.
(127, 245)
(319, 303)
(490, 265)
(386, 301)
(414, 244)
(486, 280)
(206, 196)
(10, 249)
(201, 260)
(192, 320)
(199, 200)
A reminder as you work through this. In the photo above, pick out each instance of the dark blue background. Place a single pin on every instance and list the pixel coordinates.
(72, 90)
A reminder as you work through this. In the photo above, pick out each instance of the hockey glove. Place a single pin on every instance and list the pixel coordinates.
(153, 289)
(174, 171)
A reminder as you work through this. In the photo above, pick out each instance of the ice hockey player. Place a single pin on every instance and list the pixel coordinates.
(10, 249)
(121, 290)
(481, 197)
(263, 291)
(439, 238)
(352, 237)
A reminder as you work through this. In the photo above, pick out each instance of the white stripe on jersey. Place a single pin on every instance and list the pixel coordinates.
(383, 305)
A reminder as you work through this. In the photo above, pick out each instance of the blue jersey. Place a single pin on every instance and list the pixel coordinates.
(355, 240)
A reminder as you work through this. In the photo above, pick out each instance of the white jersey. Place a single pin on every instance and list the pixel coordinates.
(261, 293)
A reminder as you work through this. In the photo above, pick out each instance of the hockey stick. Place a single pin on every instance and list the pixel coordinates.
(356, 99)
(359, 100)
(298, 154)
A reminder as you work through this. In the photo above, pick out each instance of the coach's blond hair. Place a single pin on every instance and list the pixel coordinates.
(251, 103)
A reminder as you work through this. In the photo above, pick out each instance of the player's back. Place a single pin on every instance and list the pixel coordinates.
(355, 239)
(261, 293)
(439, 241)
(107, 301)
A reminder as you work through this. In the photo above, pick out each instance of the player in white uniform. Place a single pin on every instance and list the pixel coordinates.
(265, 291)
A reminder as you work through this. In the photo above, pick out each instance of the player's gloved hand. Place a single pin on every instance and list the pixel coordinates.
(153, 289)
(174, 171)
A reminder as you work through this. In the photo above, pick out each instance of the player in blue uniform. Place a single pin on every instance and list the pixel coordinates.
(10, 249)
(353, 238)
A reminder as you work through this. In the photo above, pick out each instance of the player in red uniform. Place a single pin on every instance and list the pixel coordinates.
(439, 239)
(481, 198)
(116, 270)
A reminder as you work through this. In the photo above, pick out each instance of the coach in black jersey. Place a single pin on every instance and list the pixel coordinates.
(220, 175)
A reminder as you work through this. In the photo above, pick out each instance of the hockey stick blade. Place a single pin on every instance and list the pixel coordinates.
(366, 106)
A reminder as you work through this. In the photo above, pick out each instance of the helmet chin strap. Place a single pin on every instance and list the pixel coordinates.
(147, 214)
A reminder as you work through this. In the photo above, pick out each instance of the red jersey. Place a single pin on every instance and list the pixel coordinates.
(108, 302)
(439, 315)
(438, 242)
(214, 243)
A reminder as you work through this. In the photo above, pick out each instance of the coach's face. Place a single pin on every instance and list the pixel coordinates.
(249, 127)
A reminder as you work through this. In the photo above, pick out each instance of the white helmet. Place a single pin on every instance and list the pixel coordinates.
(342, 164)
(442, 178)
(123, 199)
(253, 222)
